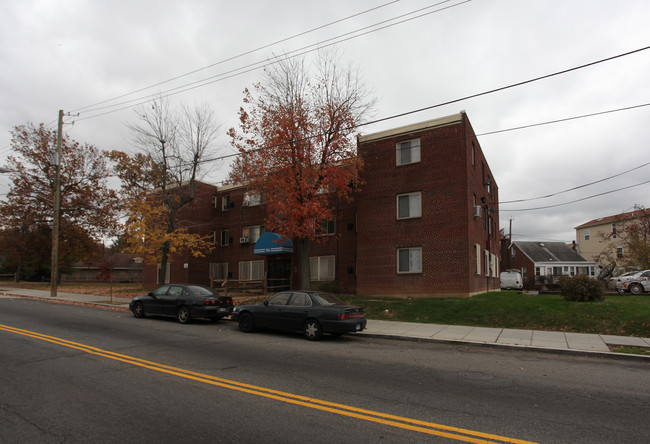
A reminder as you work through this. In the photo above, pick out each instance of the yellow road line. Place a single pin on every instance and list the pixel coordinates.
(441, 430)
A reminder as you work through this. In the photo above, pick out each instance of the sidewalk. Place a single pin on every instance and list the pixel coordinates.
(592, 344)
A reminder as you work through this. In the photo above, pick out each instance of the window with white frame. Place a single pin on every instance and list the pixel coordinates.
(477, 258)
(252, 233)
(587, 235)
(324, 227)
(409, 205)
(408, 152)
(225, 238)
(215, 200)
(619, 252)
(213, 234)
(321, 268)
(219, 272)
(494, 265)
(225, 203)
(409, 260)
(251, 270)
(613, 231)
(253, 198)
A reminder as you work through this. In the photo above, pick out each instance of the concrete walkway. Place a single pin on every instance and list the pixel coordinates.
(498, 337)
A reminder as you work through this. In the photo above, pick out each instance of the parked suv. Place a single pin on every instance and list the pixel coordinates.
(636, 283)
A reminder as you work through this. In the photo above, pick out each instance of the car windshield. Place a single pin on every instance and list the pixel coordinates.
(201, 291)
(328, 299)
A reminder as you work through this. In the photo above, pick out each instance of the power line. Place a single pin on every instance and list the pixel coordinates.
(276, 59)
(574, 188)
(502, 88)
(578, 200)
(240, 55)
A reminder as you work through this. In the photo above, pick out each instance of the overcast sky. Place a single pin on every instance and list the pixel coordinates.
(73, 55)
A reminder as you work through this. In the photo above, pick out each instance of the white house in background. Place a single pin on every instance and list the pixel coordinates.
(548, 261)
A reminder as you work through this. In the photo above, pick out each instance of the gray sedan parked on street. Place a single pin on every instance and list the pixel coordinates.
(183, 302)
(311, 312)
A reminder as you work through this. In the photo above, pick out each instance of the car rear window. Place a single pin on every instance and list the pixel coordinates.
(201, 291)
(328, 299)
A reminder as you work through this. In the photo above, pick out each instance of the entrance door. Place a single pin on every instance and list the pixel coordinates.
(279, 275)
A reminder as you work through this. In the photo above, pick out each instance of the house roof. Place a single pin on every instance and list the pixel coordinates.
(549, 252)
(421, 126)
(610, 219)
(117, 261)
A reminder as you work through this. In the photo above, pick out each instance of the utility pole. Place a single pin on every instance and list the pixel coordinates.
(56, 222)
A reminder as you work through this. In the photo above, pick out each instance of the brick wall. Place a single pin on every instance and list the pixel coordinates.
(452, 176)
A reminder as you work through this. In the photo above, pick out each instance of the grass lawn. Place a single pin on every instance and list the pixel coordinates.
(618, 315)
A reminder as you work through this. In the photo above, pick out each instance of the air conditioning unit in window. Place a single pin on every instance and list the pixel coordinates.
(477, 211)
(243, 240)
(246, 203)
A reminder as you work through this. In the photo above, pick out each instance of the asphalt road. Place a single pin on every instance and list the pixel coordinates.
(82, 374)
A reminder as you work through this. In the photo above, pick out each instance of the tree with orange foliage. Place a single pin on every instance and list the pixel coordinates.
(87, 202)
(297, 144)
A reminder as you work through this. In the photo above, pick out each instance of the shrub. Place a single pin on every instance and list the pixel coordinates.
(582, 289)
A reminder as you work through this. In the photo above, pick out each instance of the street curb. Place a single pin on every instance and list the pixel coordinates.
(562, 351)
(66, 301)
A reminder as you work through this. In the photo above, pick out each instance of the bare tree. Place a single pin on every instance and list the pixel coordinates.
(179, 145)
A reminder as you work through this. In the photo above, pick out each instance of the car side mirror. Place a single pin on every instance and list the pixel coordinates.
(266, 302)
(151, 294)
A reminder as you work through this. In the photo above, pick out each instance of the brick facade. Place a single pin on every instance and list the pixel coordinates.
(438, 242)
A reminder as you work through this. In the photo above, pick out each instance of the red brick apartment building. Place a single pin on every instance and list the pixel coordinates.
(425, 222)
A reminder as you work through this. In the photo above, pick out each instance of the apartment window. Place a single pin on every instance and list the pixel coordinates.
(253, 198)
(251, 270)
(225, 203)
(486, 259)
(252, 233)
(619, 252)
(477, 258)
(215, 200)
(587, 235)
(409, 260)
(225, 238)
(321, 268)
(219, 272)
(408, 152)
(409, 205)
(213, 234)
(325, 227)
(473, 154)
(613, 231)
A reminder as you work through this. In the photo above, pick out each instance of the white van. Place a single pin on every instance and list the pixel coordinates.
(511, 280)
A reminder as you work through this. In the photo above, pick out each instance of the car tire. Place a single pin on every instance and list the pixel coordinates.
(183, 314)
(138, 310)
(313, 331)
(636, 289)
(246, 322)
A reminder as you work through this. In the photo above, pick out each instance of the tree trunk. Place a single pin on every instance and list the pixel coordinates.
(162, 274)
(303, 247)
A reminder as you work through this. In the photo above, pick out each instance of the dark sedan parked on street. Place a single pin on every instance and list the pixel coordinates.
(183, 302)
(310, 312)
